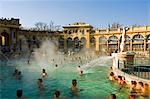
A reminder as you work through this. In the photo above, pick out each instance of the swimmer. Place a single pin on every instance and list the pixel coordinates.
(112, 76)
(28, 61)
(44, 74)
(40, 84)
(81, 73)
(146, 90)
(74, 85)
(19, 94)
(15, 72)
(133, 86)
(131, 97)
(56, 65)
(112, 96)
(19, 75)
(139, 87)
(57, 94)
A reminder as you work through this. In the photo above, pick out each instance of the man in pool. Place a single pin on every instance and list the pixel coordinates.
(44, 73)
(74, 85)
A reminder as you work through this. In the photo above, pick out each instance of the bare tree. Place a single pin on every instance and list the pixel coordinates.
(41, 26)
(116, 25)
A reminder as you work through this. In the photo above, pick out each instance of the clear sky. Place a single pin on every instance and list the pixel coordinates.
(95, 12)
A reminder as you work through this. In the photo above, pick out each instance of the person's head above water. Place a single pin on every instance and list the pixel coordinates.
(19, 73)
(19, 93)
(43, 70)
(56, 65)
(112, 96)
(57, 93)
(74, 82)
(16, 70)
(40, 80)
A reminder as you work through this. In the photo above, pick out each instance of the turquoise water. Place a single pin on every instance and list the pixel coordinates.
(92, 85)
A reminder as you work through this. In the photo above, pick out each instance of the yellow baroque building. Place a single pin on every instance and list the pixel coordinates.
(107, 40)
(73, 36)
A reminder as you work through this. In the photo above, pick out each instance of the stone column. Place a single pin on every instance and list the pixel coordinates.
(144, 45)
(130, 45)
(107, 46)
(118, 45)
(97, 44)
(87, 40)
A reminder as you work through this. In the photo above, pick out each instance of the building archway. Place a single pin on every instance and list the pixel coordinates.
(138, 42)
(76, 43)
(4, 42)
(92, 42)
(5, 39)
(83, 42)
(112, 43)
(103, 44)
(69, 43)
(61, 42)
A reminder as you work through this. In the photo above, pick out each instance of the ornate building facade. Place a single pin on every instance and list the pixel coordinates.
(13, 38)
(73, 38)
(105, 40)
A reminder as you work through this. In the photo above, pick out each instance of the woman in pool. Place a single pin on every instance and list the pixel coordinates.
(44, 73)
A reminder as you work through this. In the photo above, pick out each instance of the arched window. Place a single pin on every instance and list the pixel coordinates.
(92, 41)
(103, 40)
(113, 39)
(83, 42)
(69, 43)
(113, 43)
(103, 44)
(138, 42)
(5, 38)
(138, 38)
(61, 42)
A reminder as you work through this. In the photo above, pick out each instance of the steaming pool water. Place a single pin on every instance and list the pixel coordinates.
(93, 85)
